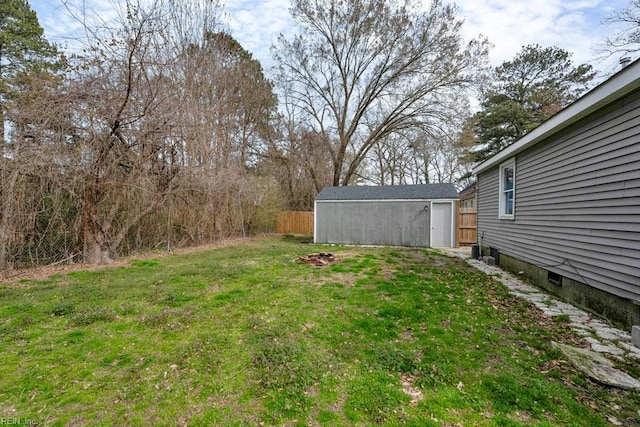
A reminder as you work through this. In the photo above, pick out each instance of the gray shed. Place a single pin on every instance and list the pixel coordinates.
(395, 215)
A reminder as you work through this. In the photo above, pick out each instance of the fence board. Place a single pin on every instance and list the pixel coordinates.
(467, 226)
(295, 222)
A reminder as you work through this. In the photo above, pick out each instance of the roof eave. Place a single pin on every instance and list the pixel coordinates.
(621, 84)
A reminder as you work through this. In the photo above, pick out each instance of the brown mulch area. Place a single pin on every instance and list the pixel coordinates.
(40, 273)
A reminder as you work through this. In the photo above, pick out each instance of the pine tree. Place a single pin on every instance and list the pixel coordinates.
(526, 91)
(23, 49)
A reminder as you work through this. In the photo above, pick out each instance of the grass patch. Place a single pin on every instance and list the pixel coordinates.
(243, 335)
(562, 318)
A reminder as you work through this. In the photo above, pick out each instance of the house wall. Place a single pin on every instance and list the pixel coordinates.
(394, 223)
(577, 210)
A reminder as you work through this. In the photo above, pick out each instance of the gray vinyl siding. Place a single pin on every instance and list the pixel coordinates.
(577, 202)
(394, 223)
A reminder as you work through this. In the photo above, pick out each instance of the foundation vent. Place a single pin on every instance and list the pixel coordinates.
(554, 278)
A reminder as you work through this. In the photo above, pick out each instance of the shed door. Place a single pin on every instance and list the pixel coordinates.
(441, 225)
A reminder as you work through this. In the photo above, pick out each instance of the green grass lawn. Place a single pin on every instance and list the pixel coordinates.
(244, 335)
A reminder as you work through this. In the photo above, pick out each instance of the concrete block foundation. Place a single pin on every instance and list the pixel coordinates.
(619, 311)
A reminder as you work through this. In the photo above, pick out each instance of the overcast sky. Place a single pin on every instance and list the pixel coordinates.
(573, 25)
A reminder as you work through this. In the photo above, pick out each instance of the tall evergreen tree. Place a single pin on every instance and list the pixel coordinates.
(23, 49)
(526, 91)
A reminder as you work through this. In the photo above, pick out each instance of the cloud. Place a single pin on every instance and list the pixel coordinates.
(573, 25)
(257, 24)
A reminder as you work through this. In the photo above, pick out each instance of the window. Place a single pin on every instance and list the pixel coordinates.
(507, 189)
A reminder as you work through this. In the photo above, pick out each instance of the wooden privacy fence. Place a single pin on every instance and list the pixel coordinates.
(295, 222)
(467, 226)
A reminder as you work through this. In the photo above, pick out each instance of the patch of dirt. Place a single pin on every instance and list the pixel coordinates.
(436, 259)
(345, 279)
(410, 389)
(307, 326)
(407, 335)
(521, 417)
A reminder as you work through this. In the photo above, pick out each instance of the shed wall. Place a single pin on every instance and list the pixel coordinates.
(393, 223)
(577, 203)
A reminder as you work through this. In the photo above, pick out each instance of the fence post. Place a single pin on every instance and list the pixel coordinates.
(458, 224)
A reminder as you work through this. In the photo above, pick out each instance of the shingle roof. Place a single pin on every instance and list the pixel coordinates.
(386, 192)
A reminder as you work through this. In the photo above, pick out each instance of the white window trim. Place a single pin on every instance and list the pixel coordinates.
(509, 163)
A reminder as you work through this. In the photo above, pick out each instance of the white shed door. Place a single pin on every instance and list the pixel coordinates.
(441, 225)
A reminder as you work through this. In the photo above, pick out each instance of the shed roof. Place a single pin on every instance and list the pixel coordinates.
(619, 85)
(389, 192)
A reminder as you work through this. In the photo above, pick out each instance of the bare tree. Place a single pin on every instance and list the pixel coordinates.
(297, 158)
(39, 197)
(228, 114)
(124, 105)
(391, 161)
(362, 70)
(153, 137)
(626, 36)
(418, 159)
(158, 93)
(421, 156)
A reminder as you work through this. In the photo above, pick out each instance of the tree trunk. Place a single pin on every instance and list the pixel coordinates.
(94, 251)
(101, 236)
(7, 208)
(3, 244)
